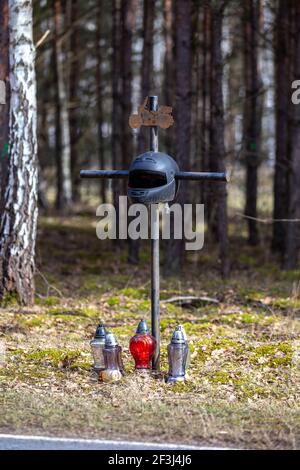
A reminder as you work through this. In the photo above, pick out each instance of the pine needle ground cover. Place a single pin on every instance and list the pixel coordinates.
(243, 388)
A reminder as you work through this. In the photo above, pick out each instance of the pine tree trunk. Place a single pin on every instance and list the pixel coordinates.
(116, 104)
(175, 250)
(282, 92)
(217, 147)
(128, 18)
(169, 82)
(146, 84)
(74, 100)
(292, 228)
(99, 94)
(4, 97)
(19, 220)
(147, 67)
(252, 112)
(195, 142)
(205, 101)
(64, 177)
(235, 70)
(42, 128)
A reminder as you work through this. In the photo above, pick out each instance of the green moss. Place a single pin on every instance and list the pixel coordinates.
(197, 328)
(145, 305)
(16, 351)
(134, 293)
(269, 269)
(222, 377)
(255, 391)
(249, 318)
(23, 375)
(91, 285)
(92, 269)
(206, 346)
(250, 294)
(145, 256)
(10, 299)
(112, 301)
(47, 301)
(247, 259)
(91, 312)
(35, 321)
(167, 323)
(56, 357)
(293, 275)
(119, 280)
(173, 309)
(81, 364)
(66, 313)
(124, 330)
(182, 387)
(272, 348)
(130, 316)
(272, 355)
(286, 303)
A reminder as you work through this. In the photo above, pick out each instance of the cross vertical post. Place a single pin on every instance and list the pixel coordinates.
(154, 222)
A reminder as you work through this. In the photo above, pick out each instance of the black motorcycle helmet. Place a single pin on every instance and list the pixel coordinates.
(152, 178)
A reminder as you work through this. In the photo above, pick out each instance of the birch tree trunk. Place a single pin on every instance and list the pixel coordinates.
(64, 178)
(4, 97)
(19, 220)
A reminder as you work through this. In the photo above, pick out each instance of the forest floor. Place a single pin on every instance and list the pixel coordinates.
(243, 383)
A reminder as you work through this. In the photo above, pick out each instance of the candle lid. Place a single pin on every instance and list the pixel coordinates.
(100, 331)
(181, 328)
(142, 328)
(178, 337)
(110, 340)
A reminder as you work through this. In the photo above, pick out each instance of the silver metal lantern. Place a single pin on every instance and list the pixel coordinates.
(97, 345)
(112, 352)
(188, 359)
(178, 354)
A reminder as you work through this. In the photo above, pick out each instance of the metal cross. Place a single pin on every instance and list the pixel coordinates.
(180, 175)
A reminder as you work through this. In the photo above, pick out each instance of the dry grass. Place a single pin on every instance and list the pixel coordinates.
(243, 387)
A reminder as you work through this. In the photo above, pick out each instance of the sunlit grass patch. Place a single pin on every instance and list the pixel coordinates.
(242, 385)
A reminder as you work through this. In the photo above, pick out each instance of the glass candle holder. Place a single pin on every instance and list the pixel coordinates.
(97, 346)
(178, 354)
(142, 346)
(112, 352)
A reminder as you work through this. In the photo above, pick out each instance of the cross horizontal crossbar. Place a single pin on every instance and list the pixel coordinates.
(181, 175)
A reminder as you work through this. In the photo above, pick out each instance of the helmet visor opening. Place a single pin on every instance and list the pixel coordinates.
(146, 179)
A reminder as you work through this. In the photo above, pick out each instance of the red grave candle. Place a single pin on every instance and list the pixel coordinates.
(142, 346)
